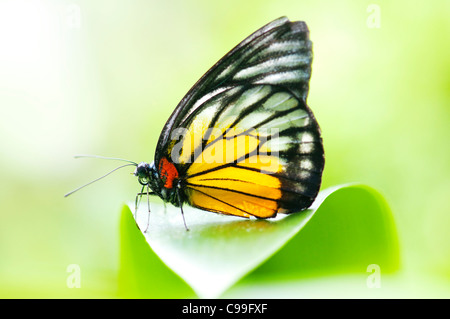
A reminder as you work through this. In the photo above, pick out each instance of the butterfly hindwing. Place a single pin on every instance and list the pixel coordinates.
(243, 140)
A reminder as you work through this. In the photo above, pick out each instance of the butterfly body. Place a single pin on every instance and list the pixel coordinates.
(162, 182)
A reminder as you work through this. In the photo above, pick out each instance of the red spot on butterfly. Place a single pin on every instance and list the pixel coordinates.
(168, 172)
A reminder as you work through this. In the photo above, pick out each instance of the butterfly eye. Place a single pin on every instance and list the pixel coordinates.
(143, 180)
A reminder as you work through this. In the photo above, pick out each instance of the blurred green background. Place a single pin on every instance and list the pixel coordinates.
(102, 77)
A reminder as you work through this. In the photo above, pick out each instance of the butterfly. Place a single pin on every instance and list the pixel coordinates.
(243, 141)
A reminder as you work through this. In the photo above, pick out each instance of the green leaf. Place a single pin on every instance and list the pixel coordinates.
(347, 228)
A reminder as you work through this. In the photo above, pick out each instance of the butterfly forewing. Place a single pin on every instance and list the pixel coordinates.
(243, 140)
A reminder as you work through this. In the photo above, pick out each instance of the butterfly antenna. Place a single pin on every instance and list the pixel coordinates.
(97, 179)
(106, 158)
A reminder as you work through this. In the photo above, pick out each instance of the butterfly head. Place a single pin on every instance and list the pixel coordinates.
(147, 175)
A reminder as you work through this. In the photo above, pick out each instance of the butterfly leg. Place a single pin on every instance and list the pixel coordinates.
(137, 202)
(182, 212)
(148, 205)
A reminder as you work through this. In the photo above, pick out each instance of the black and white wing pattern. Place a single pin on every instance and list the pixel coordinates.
(254, 97)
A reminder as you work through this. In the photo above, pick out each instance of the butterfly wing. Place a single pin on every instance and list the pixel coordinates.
(243, 139)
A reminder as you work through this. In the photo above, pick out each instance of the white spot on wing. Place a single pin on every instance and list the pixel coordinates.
(306, 148)
(306, 164)
(307, 137)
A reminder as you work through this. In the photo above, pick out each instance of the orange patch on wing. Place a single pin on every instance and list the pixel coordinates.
(231, 203)
(235, 191)
(168, 172)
